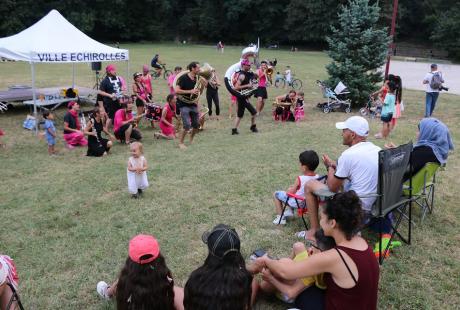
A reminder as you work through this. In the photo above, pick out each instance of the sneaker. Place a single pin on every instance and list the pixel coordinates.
(276, 221)
(254, 128)
(378, 136)
(235, 131)
(288, 212)
(102, 289)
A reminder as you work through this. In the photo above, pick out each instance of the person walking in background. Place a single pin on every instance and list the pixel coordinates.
(212, 94)
(433, 81)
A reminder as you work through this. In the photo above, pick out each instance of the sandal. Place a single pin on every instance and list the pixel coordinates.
(301, 234)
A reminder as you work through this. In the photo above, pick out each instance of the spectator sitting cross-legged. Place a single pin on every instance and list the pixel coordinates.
(351, 272)
(145, 282)
(358, 165)
(288, 291)
(123, 125)
(222, 282)
(97, 145)
(72, 128)
(309, 161)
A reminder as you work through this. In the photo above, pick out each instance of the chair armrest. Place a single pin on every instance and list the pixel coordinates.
(295, 196)
(324, 193)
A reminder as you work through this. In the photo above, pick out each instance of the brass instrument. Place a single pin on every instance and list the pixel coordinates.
(202, 77)
(269, 72)
(247, 92)
(213, 81)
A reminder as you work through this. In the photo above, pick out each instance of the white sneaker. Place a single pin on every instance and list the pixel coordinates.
(277, 220)
(102, 289)
(288, 212)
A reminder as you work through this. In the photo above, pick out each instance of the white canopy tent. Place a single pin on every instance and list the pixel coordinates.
(53, 39)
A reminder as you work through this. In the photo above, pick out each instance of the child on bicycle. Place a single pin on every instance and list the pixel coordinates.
(288, 76)
(309, 161)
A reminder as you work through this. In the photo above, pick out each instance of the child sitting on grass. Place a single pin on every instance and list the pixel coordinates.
(137, 167)
(50, 132)
(309, 161)
(287, 291)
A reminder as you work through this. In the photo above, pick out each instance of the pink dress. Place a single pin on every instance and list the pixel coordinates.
(147, 81)
(170, 83)
(166, 129)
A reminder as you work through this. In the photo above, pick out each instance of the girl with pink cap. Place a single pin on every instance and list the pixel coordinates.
(145, 282)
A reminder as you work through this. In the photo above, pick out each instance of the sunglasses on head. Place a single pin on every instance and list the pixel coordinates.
(312, 244)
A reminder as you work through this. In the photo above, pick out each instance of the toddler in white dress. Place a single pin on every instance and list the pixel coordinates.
(137, 167)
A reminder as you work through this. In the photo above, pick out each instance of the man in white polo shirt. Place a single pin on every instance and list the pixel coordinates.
(356, 169)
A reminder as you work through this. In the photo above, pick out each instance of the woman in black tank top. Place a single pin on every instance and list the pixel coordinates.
(97, 145)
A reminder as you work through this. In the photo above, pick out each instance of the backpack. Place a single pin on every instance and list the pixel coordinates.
(436, 81)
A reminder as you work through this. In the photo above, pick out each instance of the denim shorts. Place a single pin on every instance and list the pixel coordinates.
(282, 196)
(189, 114)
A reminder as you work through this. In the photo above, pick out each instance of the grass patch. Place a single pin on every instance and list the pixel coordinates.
(68, 219)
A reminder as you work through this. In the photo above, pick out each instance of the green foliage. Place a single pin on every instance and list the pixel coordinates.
(358, 48)
(289, 22)
(446, 31)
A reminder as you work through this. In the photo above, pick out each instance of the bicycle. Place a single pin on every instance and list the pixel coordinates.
(156, 75)
(295, 83)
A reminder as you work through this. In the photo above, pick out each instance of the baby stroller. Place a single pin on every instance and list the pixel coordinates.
(335, 98)
(372, 109)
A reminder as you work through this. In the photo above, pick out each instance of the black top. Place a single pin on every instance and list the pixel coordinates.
(69, 119)
(185, 83)
(98, 127)
(110, 85)
(154, 60)
(299, 103)
(286, 99)
(420, 156)
(248, 76)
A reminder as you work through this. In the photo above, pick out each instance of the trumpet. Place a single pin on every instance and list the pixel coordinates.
(269, 72)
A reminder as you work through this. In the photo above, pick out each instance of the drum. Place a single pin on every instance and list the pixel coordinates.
(153, 112)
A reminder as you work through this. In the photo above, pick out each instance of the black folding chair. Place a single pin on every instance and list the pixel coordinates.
(393, 164)
(14, 298)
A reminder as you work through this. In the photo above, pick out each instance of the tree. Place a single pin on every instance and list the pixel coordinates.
(358, 48)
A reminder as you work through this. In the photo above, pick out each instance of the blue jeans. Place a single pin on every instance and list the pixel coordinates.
(430, 103)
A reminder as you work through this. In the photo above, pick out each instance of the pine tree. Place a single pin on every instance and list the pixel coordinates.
(358, 48)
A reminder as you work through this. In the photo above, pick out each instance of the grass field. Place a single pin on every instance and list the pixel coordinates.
(67, 220)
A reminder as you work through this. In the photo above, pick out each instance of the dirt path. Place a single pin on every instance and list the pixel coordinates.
(412, 74)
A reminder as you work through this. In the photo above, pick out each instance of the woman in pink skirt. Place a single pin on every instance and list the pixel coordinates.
(166, 125)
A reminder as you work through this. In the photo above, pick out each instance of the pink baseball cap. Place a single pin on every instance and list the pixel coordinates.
(245, 62)
(143, 249)
(110, 68)
(71, 104)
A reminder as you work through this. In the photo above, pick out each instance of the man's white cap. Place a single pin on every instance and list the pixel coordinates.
(357, 124)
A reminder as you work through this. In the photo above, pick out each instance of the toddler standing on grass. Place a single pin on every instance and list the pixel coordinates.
(50, 132)
(137, 167)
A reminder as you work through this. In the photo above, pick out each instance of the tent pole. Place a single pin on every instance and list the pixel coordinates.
(34, 96)
(127, 76)
(73, 75)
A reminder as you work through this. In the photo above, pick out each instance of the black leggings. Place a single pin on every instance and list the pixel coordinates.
(212, 94)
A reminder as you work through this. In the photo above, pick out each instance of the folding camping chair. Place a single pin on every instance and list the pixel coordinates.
(392, 166)
(14, 298)
(300, 203)
(423, 186)
(301, 207)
